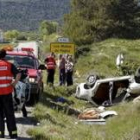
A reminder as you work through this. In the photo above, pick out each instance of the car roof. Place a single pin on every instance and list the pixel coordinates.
(20, 53)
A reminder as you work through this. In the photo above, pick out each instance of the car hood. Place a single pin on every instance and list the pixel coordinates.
(32, 72)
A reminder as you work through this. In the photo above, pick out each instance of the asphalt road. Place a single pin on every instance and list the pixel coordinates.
(23, 124)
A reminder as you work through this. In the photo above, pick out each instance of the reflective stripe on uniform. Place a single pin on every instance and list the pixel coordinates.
(14, 132)
(2, 68)
(6, 78)
(4, 85)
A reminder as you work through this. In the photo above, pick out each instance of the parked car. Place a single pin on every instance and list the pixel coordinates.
(109, 90)
(27, 60)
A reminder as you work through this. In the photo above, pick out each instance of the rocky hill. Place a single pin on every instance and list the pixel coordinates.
(27, 14)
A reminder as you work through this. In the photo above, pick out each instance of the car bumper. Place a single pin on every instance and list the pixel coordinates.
(34, 88)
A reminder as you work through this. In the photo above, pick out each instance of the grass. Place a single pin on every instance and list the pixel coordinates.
(101, 60)
(58, 120)
(57, 123)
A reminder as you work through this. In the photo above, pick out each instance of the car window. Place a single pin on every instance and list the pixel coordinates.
(21, 61)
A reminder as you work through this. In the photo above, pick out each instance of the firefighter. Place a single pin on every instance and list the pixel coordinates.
(7, 72)
(50, 65)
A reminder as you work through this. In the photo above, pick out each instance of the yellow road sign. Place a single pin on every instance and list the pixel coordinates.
(62, 48)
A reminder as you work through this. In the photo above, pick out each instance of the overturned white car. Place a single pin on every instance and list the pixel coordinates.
(109, 90)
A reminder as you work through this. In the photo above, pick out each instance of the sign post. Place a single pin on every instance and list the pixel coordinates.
(62, 48)
(63, 39)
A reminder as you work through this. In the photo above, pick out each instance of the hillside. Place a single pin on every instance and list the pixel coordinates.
(101, 59)
(58, 122)
(27, 14)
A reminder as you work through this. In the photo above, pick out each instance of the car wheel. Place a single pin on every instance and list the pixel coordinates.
(91, 79)
(34, 98)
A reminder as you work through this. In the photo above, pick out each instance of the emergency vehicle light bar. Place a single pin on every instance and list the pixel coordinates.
(27, 49)
(8, 48)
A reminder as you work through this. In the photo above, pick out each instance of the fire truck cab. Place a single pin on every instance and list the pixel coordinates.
(25, 59)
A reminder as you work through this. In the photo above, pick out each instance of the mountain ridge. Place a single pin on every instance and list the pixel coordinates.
(27, 14)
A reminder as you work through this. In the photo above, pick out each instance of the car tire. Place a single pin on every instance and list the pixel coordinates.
(91, 79)
(37, 96)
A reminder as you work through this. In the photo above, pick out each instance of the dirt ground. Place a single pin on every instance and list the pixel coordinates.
(23, 124)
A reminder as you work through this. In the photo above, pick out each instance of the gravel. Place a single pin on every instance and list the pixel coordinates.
(23, 124)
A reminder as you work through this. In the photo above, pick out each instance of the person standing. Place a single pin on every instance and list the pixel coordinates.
(50, 64)
(7, 72)
(69, 71)
(61, 66)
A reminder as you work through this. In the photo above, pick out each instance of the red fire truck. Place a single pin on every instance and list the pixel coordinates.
(25, 59)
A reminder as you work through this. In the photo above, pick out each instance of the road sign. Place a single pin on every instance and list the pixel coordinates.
(62, 48)
(63, 39)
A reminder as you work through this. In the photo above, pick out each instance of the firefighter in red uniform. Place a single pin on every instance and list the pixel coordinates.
(50, 65)
(7, 72)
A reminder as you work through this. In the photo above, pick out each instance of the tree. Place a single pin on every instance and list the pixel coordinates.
(11, 35)
(47, 28)
(95, 20)
(125, 15)
(87, 21)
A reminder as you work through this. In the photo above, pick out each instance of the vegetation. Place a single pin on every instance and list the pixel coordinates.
(47, 28)
(58, 120)
(91, 21)
(125, 18)
(101, 59)
(10, 35)
(26, 15)
(100, 30)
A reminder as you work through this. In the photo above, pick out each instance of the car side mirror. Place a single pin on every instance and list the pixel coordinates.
(42, 67)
